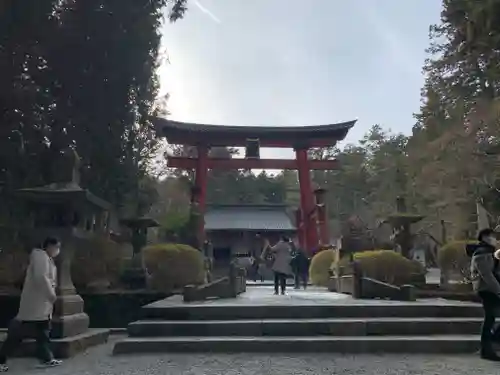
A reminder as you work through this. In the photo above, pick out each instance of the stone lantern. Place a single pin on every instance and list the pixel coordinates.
(401, 223)
(135, 275)
(65, 210)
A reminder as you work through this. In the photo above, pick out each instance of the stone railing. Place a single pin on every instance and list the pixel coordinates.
(226, 287)
(350, 280)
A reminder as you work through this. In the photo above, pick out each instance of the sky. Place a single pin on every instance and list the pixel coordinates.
(296, 62)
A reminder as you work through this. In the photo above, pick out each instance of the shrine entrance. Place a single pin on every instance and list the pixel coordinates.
(311, 217)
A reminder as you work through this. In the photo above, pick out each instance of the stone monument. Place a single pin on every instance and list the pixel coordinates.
(71, 213)
(135, 275)
(401, 223)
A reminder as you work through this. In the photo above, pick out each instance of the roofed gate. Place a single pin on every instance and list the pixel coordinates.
(300, 138)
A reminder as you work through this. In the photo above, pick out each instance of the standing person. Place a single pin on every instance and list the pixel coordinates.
(484, 274)
(35, 309)
(300, 266)
(254, 267)
(281, 255)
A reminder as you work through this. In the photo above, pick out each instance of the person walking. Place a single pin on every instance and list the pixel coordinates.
(485, 281)
(300, 266)
(281, 256)
(254, 268)
(35, 309)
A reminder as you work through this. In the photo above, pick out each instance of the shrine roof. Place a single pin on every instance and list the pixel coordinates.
(190, 133)
(248, 218)
(60, 193)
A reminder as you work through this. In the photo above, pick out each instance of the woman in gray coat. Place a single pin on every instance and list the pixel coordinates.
(281, 257)
(35, 309)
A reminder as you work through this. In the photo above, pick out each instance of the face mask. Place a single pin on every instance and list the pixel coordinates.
(55, 252)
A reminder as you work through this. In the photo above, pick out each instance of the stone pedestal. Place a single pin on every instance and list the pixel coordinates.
(69, 318)
(135, 275)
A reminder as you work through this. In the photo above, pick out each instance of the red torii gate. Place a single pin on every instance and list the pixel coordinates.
(300, 138)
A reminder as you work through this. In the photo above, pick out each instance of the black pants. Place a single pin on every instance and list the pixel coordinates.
(255, 273)
(491, 302)
(279, 282)
(300, 277)
(18, 331)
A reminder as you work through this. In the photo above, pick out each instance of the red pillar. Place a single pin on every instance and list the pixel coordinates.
(300, 228)
(201, 186)
(306, 200)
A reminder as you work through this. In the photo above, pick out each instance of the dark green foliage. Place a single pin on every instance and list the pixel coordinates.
(451, 159)
(82, 74)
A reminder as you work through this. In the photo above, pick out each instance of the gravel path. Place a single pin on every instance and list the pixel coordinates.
(98, 361)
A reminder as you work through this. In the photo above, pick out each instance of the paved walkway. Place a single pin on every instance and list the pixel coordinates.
(264, 296)
(433, 276)
(98, 361)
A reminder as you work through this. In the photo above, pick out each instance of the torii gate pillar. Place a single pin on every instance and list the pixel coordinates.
(307, 206)
(200, 181)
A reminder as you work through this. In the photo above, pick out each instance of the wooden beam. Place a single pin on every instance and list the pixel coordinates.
(213, 163)
(241, 142)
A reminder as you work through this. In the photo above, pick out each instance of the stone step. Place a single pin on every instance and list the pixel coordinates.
(364, 309)
(315, 344)
(307, 327)
(66, 347)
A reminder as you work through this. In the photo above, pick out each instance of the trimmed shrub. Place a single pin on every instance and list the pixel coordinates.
(14, 257)
(389, 266)
(97, 262)
(453, 258)
(173, 266)
(13, 265)
(319, 270)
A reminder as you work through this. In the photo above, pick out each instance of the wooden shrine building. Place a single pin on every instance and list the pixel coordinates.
(238, 230)
(311, 217)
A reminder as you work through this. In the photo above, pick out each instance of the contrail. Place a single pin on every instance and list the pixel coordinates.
(207, 12)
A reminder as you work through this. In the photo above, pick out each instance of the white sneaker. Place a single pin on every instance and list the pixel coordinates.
(4, 368)
(52, 363)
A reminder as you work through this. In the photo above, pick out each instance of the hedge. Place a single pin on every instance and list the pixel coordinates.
(389, 266)
(453, 258)
(172, 266)
(98, 260)
(319, 269)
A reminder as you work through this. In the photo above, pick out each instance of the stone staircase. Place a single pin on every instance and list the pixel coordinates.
(351, 327)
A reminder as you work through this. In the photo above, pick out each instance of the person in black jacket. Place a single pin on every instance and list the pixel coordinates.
(485, 281)
(300, 266)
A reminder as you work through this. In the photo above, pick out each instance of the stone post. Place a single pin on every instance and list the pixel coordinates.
(69, 318)
(357, 280)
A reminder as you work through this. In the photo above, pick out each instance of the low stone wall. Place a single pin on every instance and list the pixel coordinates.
(351, 281)
(362, 287)
(226, 287)
(107, 309)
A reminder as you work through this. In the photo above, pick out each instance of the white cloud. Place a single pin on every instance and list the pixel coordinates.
(207, 12)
